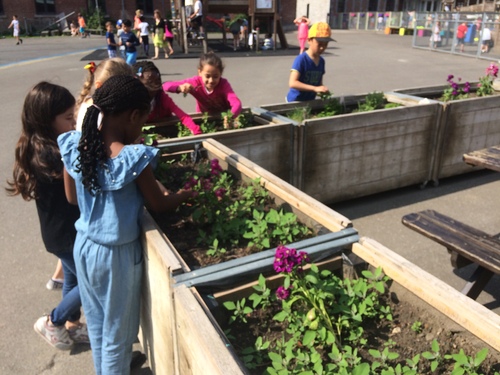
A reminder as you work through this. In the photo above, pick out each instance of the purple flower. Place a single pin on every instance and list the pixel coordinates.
(492, 70)
(215, 168)
(219, 193)
(190, 183)
(454, 93)
(207, 185)
(286, 259)
(282, 293)
(450, 77)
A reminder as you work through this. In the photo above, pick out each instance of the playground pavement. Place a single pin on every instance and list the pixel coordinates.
(359, 62)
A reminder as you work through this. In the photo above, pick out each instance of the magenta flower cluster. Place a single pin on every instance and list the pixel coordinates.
(492, 70)
(206, 183)
(286, 259)
(455, 86)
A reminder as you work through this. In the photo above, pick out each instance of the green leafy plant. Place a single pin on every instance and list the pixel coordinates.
(465, 364)
(416, 327)
(230, 214)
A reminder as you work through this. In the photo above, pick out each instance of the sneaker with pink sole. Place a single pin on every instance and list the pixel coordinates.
(58, 337)
(79, 334)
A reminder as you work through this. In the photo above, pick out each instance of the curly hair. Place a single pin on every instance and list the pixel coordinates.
(37, 155)
(117, 95)
(107, 68)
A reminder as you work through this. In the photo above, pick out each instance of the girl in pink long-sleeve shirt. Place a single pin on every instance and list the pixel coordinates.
(161, 105)
(213, 93)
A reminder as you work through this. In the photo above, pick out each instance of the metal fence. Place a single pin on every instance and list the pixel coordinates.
(421, 25)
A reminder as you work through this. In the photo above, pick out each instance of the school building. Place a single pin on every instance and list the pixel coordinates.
(39, 14)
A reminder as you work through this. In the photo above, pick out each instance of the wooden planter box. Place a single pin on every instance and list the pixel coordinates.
(466, 125)
(160, 315)
(271, 144)
(352, 155)
(204, 349)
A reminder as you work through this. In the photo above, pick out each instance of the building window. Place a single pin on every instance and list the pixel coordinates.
(102, 6)
(146, 6)
(45, 7)
(1, 7)
(341, 6)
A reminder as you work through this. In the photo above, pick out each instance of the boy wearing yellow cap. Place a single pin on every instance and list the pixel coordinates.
(306, 76)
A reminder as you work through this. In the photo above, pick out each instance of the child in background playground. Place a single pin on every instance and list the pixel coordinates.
(306, 76)
(130, 41)
(213, 93)
(144, 35)
(15, 27)
(110, 40)
(48, 111)
(303, 28)
(119, 32)
(169, 37)
(161, 104)
(268, 42)
(461, 33)
(110, 261)
(159, 35)
(96, 76)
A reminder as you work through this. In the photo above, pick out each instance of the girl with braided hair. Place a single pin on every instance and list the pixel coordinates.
(38, 175)
(110, 178)
(161, 104)
(97, 75)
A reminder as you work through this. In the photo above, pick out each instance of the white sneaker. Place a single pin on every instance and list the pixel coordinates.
(57, 337)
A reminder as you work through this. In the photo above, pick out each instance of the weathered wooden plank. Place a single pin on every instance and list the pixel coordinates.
(487, 158)
(202, 348)
(474, 317)
(471, 243)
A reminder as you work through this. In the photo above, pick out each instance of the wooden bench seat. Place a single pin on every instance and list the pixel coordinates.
(465, 243)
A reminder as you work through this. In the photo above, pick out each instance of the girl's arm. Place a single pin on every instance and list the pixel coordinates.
(232, 98)
(70, 188)
(175, 86)
(294, 83)
(157, 199)
(186, 120)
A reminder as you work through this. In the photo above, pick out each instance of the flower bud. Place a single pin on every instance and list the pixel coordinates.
(311, 315)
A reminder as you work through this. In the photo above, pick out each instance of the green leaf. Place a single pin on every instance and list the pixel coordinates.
(309, 337)
(230, 305)
(280, 316)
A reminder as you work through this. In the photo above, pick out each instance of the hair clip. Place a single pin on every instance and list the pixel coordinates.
(139, 72)
(90, 66)
(99, 117)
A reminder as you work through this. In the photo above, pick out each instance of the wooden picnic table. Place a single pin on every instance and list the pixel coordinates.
(487, 158)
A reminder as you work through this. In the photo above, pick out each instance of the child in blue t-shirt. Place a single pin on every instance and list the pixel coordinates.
(306, 77)
(110, 40)
(130, 41)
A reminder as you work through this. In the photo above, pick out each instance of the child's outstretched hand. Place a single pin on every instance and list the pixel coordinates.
(321, 89)
(185, 88)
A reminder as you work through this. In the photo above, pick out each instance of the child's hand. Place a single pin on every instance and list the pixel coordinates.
(321, 89)
(185, 88)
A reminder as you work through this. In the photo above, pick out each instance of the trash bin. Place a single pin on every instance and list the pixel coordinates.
(387, 30)
(471, 33)
(420, 32)
(401, 31)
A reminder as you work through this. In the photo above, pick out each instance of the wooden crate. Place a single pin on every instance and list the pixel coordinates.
(204, 349)
(352, 155)
(162, 262)
(271, 144)
(466, 125)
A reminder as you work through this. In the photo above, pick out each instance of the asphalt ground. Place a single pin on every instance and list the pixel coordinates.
(359, 62)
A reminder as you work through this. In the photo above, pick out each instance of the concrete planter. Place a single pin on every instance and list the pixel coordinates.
(465, 125)
(352, 155)
(165, 269)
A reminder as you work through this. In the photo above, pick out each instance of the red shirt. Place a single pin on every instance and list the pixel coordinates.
(461, 31)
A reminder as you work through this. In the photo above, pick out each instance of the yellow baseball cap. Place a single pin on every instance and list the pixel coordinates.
(321, 32)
